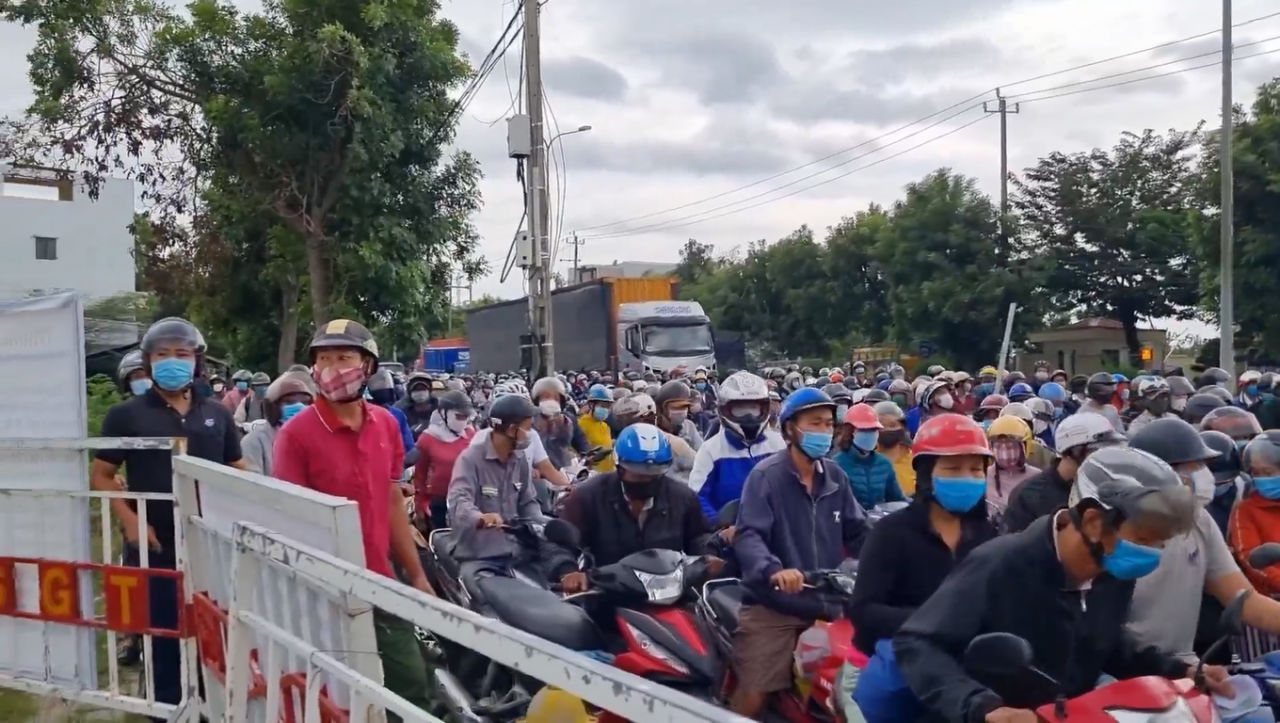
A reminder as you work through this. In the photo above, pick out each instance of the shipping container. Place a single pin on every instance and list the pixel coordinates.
(583, 323)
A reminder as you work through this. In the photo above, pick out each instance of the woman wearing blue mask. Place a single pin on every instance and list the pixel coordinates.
(870, 473)
(131, 375)
(1256, 518)
(910, 552)
(291, 393)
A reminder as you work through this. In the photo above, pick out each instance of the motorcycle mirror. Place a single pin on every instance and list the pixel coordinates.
(997, 654)
(1232, 620)
(728, 515)
(1264, 555)
(561, 533)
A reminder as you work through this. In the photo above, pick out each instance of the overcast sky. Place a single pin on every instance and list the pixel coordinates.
(692, 100)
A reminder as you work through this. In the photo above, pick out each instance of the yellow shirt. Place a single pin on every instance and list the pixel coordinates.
(901, 458)
(598, 435)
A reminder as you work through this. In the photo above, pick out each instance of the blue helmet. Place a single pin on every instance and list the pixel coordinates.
(1053, 392)
(643, 449)
(1120, 378)
(802, 399)
(1020, 392)
(599, 393)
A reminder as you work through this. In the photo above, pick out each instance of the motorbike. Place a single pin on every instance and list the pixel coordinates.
(1136, 700)
(1265, 675)
(825, 696)
(476, 689)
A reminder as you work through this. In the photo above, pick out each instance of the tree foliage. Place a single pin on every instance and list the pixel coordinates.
(1116, 227)
(291, 160)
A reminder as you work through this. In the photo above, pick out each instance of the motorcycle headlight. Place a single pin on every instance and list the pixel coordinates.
(1179, 712)
(662, 588)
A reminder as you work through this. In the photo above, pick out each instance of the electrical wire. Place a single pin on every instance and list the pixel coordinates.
(681, 222)
(823, 182)
(518, 92)
(1175, 61)
(509, 262)
(663, 225)
(485, 69)
(929, 117)
(561, 171)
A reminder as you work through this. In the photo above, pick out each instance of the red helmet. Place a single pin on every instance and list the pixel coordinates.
(950, 435)
(862, 416)
(994, 401)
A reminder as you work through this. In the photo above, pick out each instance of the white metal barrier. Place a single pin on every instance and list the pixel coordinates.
(280, 572)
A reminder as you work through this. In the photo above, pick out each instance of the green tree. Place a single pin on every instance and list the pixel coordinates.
(1256, 166)
(1116, 227)
(858, 294)
(303, 143)
(948, 279)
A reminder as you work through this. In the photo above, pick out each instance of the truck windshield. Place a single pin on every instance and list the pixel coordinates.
(677, 339)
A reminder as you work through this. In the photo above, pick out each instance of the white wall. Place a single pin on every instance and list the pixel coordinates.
(94, 247)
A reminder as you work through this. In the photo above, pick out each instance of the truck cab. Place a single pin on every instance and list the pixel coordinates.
(661, 336)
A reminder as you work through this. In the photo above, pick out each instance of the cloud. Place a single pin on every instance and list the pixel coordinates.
(899, 64)
(717, 67)
(816, 102)
(726, 145)
(585, 78)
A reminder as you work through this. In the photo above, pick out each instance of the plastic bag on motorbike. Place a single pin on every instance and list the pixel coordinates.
(882, 693)
(822, 649)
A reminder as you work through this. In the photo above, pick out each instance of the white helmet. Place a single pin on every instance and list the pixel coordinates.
(744, 405)
(1084, 428)
(549, 384)
(1019, 410)
(515, 387)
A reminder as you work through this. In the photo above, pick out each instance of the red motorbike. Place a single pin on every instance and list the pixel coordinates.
(1137, 700)
(824, 693)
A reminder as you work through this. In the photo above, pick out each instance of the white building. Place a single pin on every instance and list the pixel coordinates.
(53, 236)
(624, 270)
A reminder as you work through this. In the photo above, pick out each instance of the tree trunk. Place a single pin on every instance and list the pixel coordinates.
(1131, 340)
(288, 324)
(318, 270)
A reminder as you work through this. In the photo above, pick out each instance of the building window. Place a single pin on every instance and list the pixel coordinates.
(1110, 358)
(46, 248)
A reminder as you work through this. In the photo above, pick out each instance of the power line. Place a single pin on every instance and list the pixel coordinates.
(823, 182)
(931, 116)
(1165, 64)
(678, 222)
(662, 225)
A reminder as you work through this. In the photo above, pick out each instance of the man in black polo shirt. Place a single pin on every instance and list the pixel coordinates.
(173, 351)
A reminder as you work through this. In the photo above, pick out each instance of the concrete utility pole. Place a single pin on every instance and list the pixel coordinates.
(457, 285)
(1226, 301)
(575, 242)
(539, 215)
(1002, 107)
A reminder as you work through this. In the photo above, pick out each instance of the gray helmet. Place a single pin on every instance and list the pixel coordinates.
(1137, 485)
(454, 401)
(672, 391)
(510, 409)
(1173, 441)
(173, 330)
(381, 381)
(129, 364)
(242, 375)
(260, 379)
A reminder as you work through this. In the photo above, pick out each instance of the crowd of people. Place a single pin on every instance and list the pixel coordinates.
(1103, 519)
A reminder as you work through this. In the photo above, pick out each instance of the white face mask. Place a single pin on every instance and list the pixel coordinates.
(944, 400)
(456, 425)
(1202, 484)
(1040, 426)
(1178, 404)
(549, 407)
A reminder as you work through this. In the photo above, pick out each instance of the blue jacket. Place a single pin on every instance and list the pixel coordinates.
(723, 463)
(403, 420)
(872, 477)
(781, 526)
(915, 416)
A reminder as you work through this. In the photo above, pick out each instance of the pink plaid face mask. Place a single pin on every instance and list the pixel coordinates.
(340, 385)
(1010, 454)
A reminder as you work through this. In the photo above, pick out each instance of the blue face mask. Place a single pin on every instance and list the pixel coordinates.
(1058, 412)
(173, 374)
(866, 441)
(987, 388)
(815, 445)
(600, 413)
(1268, 487)
(138, 387)
(260, 390)
(1130, 561)
(959, 494)
(1251, 390)
(242, 386)
(986, 423)
(702, 386)
(289, 411)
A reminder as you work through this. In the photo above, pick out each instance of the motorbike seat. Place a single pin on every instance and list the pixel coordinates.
(540, 612)
(726, 603)
(442, 543)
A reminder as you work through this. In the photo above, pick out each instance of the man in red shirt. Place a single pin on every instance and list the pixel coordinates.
(344, 447)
